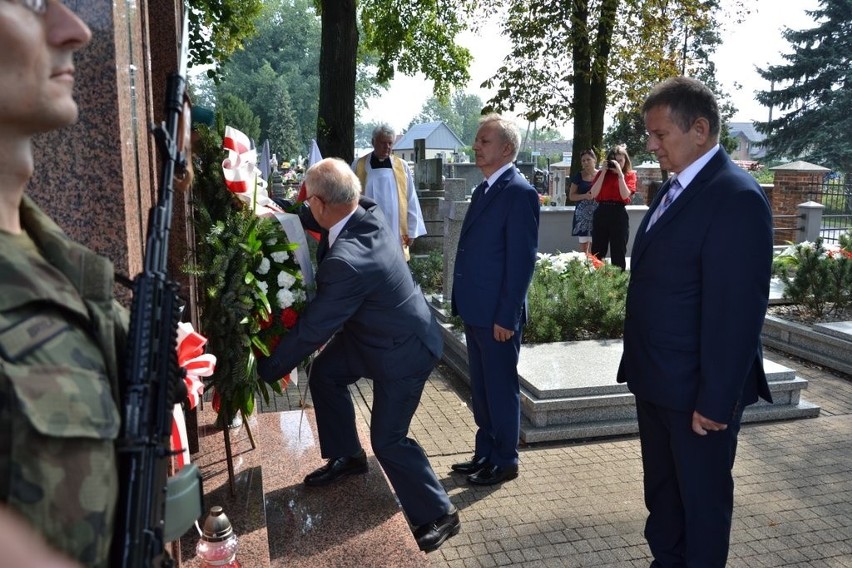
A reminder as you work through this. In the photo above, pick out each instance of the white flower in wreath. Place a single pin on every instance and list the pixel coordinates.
(264, 287)
(280, 256)
(285, 298)
(299, 295)
(286, 280)
(264, 266)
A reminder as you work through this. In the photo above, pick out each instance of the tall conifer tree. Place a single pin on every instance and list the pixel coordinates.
(812, 92)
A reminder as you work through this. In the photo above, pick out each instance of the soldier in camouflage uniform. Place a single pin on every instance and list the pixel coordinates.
(60, 329)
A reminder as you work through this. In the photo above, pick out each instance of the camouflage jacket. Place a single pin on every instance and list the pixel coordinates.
(60, 331)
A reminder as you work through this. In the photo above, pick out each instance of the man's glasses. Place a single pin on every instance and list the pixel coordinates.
(35, 6)
(307, 200)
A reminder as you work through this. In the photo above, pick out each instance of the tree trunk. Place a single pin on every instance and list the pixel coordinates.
(582, 61)
(338, 53)
(600, 68)
(590, 76)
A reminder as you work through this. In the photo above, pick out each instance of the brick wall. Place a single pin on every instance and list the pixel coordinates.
(790, 188)
(644, 176)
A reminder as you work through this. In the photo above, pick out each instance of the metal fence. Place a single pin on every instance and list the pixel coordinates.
(835, 194)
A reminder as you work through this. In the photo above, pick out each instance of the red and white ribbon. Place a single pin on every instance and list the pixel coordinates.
(196, 363)
(242, 176)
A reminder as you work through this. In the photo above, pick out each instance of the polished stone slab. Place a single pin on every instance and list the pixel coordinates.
(839, 329)
(356, 522)
(244, 507)
(589, 368)
(575, 368)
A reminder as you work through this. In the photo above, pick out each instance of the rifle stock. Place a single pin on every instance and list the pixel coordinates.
(153, 383)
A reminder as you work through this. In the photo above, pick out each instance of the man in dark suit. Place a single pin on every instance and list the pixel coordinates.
(380, 327)
(494, 266)
(699, 288)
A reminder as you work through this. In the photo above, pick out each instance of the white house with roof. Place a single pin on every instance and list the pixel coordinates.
(441, 141)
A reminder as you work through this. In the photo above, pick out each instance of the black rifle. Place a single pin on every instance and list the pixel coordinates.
(154, 382)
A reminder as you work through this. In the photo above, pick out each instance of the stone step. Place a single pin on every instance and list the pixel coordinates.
(279, 521)
(598, 416)
(826, 344)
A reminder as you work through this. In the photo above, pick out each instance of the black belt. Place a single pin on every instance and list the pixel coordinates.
(611, 203)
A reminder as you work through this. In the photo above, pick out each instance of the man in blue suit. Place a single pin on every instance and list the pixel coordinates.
(494, 266)
(379, 327)
(699, 288)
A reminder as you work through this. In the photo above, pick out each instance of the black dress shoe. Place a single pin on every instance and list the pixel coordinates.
(475, 464)
(432, 535)
(492, 474)
(336, 468)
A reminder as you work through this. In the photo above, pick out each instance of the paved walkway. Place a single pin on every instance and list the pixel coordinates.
(580, 504)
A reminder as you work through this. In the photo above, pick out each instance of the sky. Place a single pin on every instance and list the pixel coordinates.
(756, 41)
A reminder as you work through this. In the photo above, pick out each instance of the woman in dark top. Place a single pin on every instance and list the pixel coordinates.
(581, 185)
(613, 188)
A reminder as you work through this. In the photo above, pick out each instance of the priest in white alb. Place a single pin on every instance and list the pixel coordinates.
(387, 180)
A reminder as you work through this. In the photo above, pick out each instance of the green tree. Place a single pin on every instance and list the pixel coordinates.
(816, 97)
(217, 28)
(364, 133)
(236, 113)
(283, 133)
(284, 54)
(574, 60)
(404, 36)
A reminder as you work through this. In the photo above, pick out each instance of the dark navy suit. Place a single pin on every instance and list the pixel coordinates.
(494, 265)
(382, 329)
(698, 292)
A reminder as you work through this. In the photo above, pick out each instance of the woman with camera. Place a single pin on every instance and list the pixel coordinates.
(581, 185)
(612, 189)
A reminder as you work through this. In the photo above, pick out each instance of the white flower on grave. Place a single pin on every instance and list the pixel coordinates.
(789, 251)
(285, 298)
(559, 263)
(264, 266)
(286, 280)
(280, 256)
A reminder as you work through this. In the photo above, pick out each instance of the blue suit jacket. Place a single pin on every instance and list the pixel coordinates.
(496, 254)
(698, 292)
(365, 290)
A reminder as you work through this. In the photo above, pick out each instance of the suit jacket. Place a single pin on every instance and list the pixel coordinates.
(698, 292)
(496, 254)
(365, 290)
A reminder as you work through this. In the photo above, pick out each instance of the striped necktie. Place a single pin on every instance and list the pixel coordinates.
(672, 193)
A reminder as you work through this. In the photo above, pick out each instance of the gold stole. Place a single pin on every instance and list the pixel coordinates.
(401, 192)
